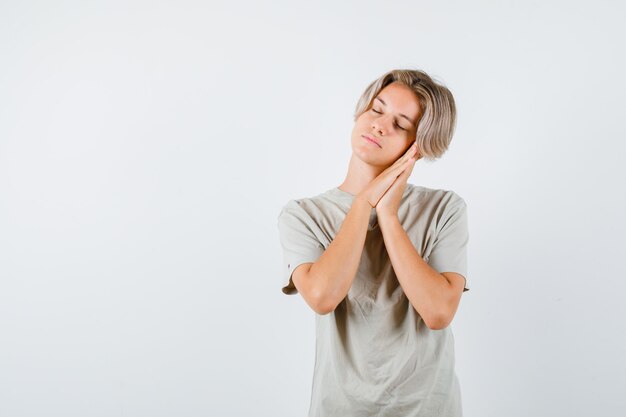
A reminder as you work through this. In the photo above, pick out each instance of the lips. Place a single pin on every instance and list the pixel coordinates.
(371, 139)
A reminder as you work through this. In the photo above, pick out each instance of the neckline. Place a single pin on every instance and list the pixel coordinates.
(344, 193)
(351, 197)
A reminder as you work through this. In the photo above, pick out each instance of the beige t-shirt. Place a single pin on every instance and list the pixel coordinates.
(374, 355)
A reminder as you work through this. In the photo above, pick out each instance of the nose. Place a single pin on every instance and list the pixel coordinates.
(380, 124)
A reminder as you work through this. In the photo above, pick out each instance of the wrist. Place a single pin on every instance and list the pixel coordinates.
(386, 216)
(362, 199)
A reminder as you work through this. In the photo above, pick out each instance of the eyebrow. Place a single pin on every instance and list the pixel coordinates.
(401, 115)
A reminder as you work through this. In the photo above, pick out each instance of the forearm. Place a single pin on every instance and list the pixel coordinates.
(426, 289)
(336, 268)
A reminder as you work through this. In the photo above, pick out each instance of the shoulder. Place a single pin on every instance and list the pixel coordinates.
(436, 196)
(305, 206)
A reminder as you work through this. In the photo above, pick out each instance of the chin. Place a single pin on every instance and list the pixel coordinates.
(372, 160)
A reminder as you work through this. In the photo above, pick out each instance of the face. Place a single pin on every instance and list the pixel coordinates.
(391, 120)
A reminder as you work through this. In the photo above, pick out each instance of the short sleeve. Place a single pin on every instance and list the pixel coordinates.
(297, 231)
(449, 253)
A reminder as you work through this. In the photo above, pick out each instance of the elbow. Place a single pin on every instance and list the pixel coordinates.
(440, 318)
(323, 311)
(439, 322)
(323, 307)
(323, 304)
(315, 293)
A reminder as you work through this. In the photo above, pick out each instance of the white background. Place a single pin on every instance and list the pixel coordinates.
(146, 149)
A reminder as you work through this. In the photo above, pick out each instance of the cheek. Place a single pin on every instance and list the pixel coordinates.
(365, 118)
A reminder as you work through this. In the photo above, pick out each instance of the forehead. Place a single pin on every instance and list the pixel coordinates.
(400, 98)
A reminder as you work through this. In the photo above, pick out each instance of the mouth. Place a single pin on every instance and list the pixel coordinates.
(371, 139)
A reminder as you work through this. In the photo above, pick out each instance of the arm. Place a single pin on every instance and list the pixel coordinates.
(326, 282)
(435, 296)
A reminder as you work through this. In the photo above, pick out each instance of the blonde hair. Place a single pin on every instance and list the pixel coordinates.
(437, 119)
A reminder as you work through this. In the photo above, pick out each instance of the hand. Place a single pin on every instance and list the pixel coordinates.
(379, 185)
(390, 201)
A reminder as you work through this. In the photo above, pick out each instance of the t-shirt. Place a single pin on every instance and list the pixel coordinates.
(374, 354)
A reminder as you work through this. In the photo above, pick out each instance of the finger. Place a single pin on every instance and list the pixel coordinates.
(403, 166)
(392, 172)
(409, 168)
(412, 165)
(399, 164)
(409, 152)
(395, 168)
(404, 170)
(404, 175)
(410, 161)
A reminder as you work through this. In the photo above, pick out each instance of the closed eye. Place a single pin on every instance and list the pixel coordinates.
(378, 112)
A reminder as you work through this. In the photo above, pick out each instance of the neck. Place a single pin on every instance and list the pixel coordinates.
(359, 176)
